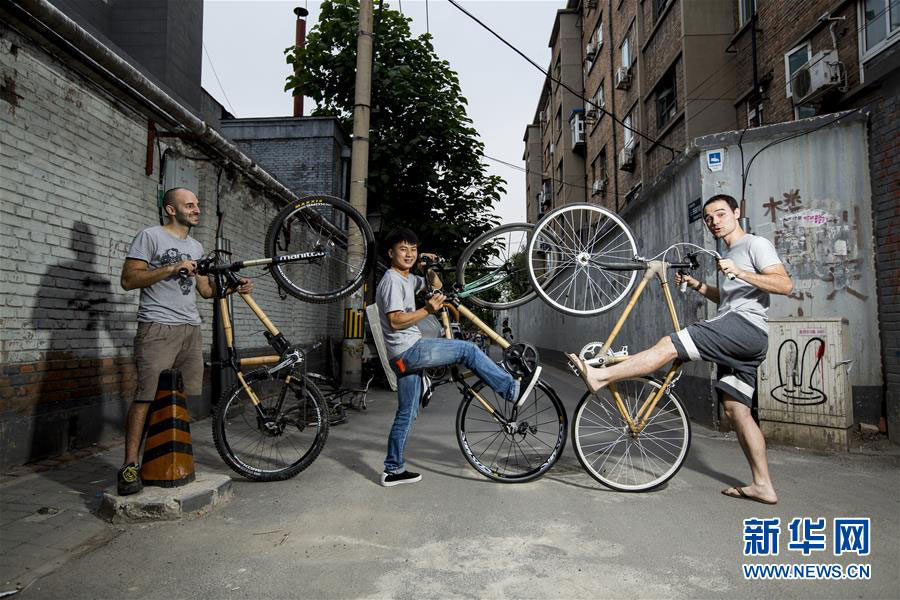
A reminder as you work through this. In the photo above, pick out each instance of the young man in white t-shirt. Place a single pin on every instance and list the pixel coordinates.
(736, 339)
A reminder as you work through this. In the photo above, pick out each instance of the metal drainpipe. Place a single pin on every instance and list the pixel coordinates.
(612, 100)
(94, 49)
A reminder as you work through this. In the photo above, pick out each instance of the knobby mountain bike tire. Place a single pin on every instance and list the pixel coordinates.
(512, 457)
(571, 256)
(300, 418)
(501, 251)
(337, 239)
(621, 461)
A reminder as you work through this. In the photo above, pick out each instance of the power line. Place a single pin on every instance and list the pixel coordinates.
(221, 87)
(561, 83)
(529, 172)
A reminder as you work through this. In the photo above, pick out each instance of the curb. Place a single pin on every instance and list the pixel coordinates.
(190, 501)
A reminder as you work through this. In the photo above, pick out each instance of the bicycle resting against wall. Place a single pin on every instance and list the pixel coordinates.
(632, 435)
(274, 422)
(504, 441)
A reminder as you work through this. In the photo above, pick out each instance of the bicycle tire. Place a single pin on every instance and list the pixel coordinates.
(515, 291)
(235, 412)
(562, 259)
(320, 223)
(473, 422)
(597, 420)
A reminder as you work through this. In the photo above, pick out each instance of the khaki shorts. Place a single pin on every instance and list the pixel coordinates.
(158, 347)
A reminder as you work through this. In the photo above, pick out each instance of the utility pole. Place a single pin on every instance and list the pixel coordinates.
(352, 348)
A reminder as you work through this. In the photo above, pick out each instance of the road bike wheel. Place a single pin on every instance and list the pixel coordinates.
(563, 255)
(625, 462)
(526, 454)
(282, 445)
(501, 252)
(330, 228)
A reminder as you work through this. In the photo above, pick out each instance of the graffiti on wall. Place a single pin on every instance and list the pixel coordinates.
(798, 375)
(817, 243)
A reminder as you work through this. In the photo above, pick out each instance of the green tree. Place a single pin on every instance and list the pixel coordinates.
(425, 169)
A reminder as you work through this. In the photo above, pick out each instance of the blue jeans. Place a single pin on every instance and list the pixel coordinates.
(436, 353)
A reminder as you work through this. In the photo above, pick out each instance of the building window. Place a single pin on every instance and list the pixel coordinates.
(559, 174)
(598, 34)
(629, 133)
(557, 68)
(754, 115)
(882, 25)
(793, 60)
(748, 8)
(601, 163)
(666, 100)
(626, 55)
(601, 97)
(660, 6)
(558, 119)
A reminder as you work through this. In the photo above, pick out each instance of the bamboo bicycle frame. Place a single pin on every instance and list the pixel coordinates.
(655, 268)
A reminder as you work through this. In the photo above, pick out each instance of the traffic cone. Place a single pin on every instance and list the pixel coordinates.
(168, 452)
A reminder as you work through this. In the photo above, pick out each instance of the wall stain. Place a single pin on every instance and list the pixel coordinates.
(8, 93)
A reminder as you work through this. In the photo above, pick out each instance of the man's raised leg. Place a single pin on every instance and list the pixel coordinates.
(642, 363)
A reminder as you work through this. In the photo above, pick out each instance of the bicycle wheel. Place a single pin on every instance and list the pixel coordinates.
(339, 238)
(518, 454)
(622, 461)
(282, 443)
(565, 254)
(494, 266)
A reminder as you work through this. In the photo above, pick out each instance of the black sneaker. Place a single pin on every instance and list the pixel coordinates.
(527, 383)
(389, 479)
(129, 480)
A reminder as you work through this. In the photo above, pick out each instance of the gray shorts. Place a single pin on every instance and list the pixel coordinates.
(158, 347)
(734, 344)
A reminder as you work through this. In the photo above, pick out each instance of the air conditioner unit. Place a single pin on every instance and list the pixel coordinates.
(552, 148)
(817, 77)
(590, 51)
(598, 187)
(623, 78)
(590, 3)
(626, 158)
(590, 113)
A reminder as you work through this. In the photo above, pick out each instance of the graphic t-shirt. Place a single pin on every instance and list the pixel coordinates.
(753, 254)
(172, 301)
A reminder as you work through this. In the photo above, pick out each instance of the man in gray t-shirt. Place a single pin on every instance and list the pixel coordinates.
(736, 339)
(410, 355)
(162, 263)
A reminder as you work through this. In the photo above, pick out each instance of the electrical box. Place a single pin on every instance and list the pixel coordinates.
(803, 386)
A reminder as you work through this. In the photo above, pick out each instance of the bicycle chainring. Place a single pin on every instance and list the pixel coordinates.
(520, 359)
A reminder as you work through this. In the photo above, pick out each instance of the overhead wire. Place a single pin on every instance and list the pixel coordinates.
(219, 81)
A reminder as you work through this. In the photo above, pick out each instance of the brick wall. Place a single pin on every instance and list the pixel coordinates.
(73, 194)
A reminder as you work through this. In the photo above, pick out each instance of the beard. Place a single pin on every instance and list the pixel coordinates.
(183, 220)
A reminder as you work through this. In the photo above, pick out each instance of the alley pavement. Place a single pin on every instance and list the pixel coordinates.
(333, 532)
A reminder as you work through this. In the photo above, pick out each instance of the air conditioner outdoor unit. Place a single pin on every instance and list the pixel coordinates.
(590, 3)
(626, 158)
(821, 74)
(552, 148)
(590, 113)
(590, 51)
(623, 78)
(599, 186)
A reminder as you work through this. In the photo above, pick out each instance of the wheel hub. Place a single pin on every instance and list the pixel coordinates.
(583, 259)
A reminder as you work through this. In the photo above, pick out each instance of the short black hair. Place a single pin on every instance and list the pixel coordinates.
(401, 234)
(722, 198)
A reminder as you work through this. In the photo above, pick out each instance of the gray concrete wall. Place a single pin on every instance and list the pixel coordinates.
(812, 197)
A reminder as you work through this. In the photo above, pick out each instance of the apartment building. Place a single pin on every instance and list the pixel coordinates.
(659, 66)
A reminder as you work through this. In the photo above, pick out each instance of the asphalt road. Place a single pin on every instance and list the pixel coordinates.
(333, 532)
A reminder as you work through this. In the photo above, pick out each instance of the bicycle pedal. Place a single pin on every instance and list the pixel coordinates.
(574, 369)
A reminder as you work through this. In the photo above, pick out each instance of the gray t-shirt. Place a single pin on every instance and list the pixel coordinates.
(751, 253)
(396, 292)
(173, 300)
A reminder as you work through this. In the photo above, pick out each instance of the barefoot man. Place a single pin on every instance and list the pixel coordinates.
(736, 339)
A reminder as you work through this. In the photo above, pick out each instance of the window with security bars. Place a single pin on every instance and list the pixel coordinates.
(666, 100)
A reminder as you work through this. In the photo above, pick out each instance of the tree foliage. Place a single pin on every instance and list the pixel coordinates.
(425, 169)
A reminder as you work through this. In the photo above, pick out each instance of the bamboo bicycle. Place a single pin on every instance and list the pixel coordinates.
(273, 423)
(633, 435)
(506, 442)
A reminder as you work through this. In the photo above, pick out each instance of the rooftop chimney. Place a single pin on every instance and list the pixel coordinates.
(300, 42)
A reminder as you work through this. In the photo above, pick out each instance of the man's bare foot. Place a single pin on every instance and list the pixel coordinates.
(754, 492)
(593, 383)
